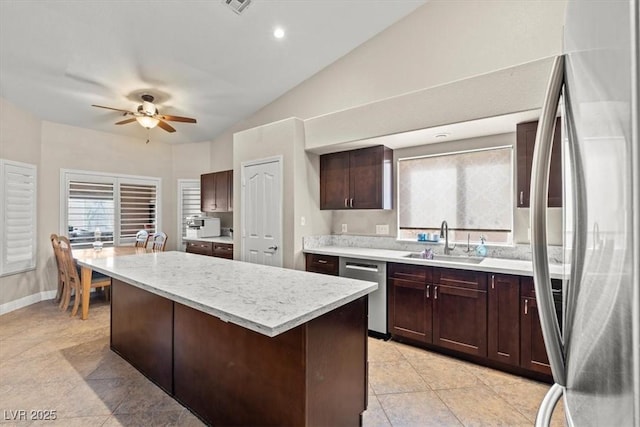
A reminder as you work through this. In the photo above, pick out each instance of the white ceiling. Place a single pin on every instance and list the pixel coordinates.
(198, 58)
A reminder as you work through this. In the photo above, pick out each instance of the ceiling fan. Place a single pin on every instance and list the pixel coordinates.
(147, 115)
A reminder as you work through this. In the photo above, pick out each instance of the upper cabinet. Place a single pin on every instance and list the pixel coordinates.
(525, 139)
(357, 179)
(216, 192)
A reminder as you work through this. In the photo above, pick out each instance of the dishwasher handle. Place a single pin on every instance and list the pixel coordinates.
(362, 267)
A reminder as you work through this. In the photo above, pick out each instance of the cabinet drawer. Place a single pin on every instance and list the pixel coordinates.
(325, 264)
(223, 250)
(460, 278)
(410, 272)
(201, 248)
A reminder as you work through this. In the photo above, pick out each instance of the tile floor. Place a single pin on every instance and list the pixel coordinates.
(49, 361)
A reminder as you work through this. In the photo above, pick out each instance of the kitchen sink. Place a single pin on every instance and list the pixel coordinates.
(448, 258)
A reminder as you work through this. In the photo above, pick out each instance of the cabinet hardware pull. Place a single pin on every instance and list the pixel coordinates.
(521, 197)
(435, 292)
(322, 261)
(493, 281)
(428, 286)
(351, 203)
(346, 203)
(526, 306)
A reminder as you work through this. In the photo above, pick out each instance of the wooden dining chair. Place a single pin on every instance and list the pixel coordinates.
(55, 244)
(74, 284)
(142, 237)
(158, 241)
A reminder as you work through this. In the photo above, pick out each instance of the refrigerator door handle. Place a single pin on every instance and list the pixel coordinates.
(538, 202)
(543, 417)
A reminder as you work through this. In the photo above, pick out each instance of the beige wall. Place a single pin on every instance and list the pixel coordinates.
(20, 141)
(284, 138)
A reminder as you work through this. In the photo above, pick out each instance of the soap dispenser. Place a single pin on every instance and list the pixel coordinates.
(481, 249)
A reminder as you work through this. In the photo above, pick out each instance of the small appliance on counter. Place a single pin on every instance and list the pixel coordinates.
(202, 226)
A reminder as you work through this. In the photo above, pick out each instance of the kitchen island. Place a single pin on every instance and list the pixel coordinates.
(241, 343)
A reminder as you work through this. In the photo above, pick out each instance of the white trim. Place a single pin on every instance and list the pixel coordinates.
(280, 160)
(26, 301)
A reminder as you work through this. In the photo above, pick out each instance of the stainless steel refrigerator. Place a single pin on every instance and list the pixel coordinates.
(596, 360)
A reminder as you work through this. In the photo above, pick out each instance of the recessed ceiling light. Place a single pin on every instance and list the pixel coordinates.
(278, 32)
(442, 135)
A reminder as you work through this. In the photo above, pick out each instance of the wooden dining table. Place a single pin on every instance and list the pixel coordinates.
(106, 252)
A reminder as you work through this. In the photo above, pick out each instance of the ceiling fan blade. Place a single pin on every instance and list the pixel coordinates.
(124, 122)
(111, 108)
(177, 118)
(165, 126)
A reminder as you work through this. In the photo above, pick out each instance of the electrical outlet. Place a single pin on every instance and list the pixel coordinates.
(382, 229)
(303, 221)
(344, 228)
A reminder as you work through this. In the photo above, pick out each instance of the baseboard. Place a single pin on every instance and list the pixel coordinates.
(25, 301)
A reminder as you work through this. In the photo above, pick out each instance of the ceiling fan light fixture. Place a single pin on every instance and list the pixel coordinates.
(147, 122)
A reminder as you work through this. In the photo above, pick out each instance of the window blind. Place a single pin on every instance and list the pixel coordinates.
(118, 205)
(188, 204)
(19, 219)
(470, 190)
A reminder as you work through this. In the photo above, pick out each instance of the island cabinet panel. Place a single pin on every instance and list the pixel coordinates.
(533, 353)
(460, 310)
(325, 264)
(314, 374)
(141, 324)
(504, 319)
(409, 303)
(357, 179)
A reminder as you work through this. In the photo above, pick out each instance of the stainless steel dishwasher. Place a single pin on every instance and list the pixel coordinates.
(371, 271)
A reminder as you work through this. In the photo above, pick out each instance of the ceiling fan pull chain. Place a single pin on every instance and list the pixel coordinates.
(148, 135)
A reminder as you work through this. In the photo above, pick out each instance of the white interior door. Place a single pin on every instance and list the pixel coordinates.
(262, 212)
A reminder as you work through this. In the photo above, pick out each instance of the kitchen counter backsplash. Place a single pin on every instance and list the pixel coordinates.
(519, 252)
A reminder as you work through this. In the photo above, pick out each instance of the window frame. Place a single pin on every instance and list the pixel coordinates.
(67, 175)
(182, 185)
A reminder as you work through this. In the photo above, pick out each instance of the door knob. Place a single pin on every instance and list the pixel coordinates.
(273, 248)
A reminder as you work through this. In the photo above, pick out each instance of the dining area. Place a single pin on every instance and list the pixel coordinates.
(75, 283)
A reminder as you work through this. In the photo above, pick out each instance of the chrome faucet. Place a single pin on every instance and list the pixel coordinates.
(444, 233)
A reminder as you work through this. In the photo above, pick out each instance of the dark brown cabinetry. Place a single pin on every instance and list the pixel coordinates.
(409, 305)
(220, 250)
(525, 139)
(460, 310)
(216, 192)
(325, 264)
(357, 179)
(503, 329)
(223, 250)
(533, 351)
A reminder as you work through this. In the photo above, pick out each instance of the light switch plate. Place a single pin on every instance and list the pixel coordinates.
(303, 221)
(344, 228)
(382, 229)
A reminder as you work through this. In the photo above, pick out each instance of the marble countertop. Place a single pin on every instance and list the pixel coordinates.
(490, 265)
(219, 239)
(264, 299)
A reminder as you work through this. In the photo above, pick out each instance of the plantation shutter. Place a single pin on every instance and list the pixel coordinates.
(138, 209)
(90, 208)
(18, 183)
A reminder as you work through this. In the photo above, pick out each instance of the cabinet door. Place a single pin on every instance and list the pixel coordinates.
(325, 264)
(409, 309)
(207, 192)
(526, 138)
(365, 178)
(221, 203)
(533, 353)
(334, 181)
(503, 327)
(460, 319)
(223, 250)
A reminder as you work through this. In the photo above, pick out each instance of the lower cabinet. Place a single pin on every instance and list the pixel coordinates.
(200, 247)
(492, 317)
(504, 319)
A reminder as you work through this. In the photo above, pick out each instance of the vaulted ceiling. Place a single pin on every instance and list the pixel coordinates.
(197, 58)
